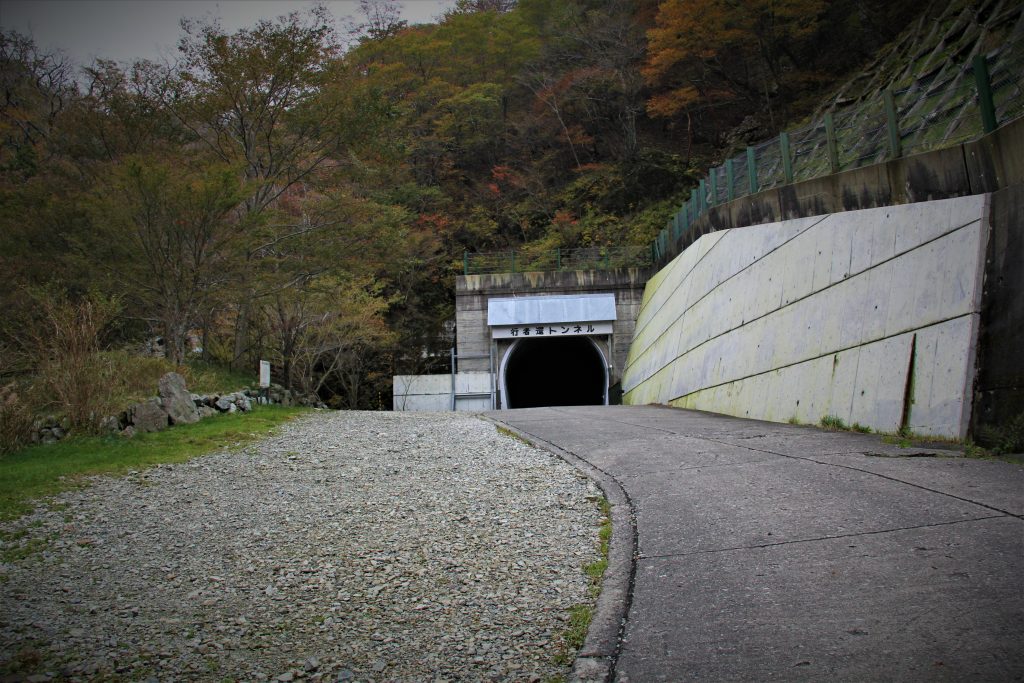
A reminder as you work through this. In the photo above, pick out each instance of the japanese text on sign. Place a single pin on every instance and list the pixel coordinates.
(567, 329)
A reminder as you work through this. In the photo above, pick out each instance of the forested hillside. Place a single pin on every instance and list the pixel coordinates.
(275, 195)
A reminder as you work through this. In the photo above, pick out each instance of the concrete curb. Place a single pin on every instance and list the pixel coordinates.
(595, 662)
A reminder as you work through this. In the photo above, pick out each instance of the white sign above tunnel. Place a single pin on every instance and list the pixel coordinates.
(567, 309)
(552, 330)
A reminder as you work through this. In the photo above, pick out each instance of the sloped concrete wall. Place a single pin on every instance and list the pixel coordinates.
(870, 316)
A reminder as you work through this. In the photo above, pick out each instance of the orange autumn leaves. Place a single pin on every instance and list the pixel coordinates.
(715, 50)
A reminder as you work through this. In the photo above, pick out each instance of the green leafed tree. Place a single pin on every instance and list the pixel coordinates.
(167, 236)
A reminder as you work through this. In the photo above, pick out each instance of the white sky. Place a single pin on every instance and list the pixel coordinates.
(126, 30)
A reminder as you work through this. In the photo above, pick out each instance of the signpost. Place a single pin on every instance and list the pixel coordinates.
(265, 380)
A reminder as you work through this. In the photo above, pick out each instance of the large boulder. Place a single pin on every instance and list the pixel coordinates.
(148, 416)
(176, 400)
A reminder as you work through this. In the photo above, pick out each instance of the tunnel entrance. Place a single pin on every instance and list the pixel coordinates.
(554, 372)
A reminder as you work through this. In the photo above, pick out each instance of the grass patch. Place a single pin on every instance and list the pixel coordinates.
(1004, 438)
(898, 440)
(41, 471)
(210, 378)
(505, 431)
(17, 547)
(575, 633)
(595, 570)
(834, 423)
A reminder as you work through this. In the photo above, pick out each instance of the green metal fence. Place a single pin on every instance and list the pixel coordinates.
(585, 258)
(937, 111)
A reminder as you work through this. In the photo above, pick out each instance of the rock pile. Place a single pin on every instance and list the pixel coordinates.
(174, 405)
(50, 429)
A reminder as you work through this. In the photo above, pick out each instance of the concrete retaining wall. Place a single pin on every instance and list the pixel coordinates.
(871, 316)
(433, 392)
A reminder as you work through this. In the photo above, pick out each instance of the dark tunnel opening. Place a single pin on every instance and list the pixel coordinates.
(554, 372)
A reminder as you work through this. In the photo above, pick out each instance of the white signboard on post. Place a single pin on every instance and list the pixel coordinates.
(264, 374)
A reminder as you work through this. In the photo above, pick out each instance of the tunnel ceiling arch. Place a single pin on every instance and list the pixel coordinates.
(555, 372)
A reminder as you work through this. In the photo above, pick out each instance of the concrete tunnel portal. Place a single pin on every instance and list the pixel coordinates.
(571, 371)
(551, 350)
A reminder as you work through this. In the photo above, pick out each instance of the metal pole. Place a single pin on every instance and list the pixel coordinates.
(730, 180)
(830, 141)
(787, 158)
(465, 263)
(892, 124)
(752, 169)
(984, 83)
(491, 368)
(453, 378)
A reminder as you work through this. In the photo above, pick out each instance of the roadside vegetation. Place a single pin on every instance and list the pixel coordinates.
(580, 615)
(35, 472)
(294, 193)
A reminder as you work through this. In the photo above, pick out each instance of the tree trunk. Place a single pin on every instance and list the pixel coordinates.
(241, 346)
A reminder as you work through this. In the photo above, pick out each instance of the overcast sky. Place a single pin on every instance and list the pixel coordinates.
(125, 30)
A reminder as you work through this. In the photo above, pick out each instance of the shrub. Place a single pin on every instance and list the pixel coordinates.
(1005, 438)
(64, 343)
(15, 420)
(833, 423)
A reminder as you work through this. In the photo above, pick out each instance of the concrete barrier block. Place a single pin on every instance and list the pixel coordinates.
(422, 384)
(429, 403)
(842, 382)
(823, 247)
(842, 254)
(879, 290)
(880, 384)
(942, 366)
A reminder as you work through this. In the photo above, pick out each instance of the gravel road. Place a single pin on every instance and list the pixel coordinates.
(350, 546)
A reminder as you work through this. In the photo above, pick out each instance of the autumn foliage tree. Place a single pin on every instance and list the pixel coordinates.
(718, 52)
(284, 192)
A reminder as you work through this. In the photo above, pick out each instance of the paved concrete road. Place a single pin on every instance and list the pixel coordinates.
(777, 552)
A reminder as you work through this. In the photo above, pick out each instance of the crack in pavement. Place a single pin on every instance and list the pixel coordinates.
(822, 538)
(819, 462)
(881, 476)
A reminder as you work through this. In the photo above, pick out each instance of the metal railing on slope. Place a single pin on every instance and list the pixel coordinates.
(930, 114)
(583, 258)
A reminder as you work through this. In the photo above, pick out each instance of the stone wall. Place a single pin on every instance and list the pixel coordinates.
(871, 316)
(173, 405)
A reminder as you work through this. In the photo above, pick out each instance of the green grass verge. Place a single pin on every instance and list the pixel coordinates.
(575, 633)
(571, 639)
(40, 471)
(834, 423)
